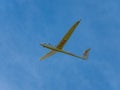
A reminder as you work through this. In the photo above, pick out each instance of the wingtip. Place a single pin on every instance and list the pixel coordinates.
(78, 21)
(41, 59)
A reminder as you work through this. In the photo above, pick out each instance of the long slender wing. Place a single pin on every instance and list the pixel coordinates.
(48, 55)
(67, 36)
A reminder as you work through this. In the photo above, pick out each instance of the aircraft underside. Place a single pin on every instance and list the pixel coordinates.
(61, 44)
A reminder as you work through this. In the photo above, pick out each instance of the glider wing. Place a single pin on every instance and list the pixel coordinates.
(67, 35)
(48, 55)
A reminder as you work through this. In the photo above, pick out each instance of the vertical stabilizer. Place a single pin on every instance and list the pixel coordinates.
(85, 54)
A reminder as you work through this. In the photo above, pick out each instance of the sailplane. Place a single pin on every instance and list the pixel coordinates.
(59, 47)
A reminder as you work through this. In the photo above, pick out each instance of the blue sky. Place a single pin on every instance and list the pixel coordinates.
(24, 24)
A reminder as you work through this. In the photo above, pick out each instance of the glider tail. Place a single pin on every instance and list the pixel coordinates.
(85, 54)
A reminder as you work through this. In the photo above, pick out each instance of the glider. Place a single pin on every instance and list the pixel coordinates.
(59, 47)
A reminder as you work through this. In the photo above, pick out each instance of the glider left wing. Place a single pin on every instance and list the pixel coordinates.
(48, 55)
